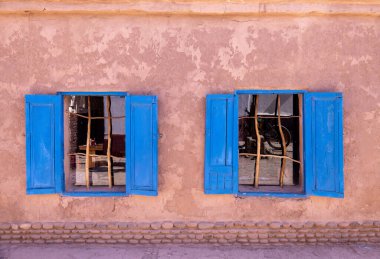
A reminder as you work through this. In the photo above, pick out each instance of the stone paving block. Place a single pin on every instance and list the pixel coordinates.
(192, 232)
(205, 225)
(167, 225)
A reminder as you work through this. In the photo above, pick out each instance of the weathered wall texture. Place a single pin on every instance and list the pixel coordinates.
(182, 59)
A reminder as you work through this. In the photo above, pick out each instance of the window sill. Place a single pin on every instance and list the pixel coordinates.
(273, 195)
(94, 194)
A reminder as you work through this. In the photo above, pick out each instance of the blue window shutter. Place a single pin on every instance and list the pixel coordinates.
(44, 142)
(141, 146)
(324, 144)
(218, 176)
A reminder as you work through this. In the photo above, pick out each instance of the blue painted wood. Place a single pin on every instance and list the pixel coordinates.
(324, 144)
(93, 93)
(128, 156)
(235, 147)
(219, 144)
(59, 148)
(43, 150)
(141, 146)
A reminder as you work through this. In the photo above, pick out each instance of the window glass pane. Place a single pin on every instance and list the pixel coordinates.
(95, 132)
(269, 143)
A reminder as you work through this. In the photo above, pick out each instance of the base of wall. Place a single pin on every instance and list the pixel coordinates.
(245, 233)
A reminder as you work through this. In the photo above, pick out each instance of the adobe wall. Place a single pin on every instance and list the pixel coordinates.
(181, 59)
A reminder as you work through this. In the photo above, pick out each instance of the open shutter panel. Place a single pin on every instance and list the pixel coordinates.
(324, 144)
(219, 138)
(43, 144)
(142, 136)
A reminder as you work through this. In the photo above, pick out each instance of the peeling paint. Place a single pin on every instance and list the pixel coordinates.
(181, 60)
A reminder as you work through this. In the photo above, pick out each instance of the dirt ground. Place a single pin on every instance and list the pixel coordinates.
(186, 251)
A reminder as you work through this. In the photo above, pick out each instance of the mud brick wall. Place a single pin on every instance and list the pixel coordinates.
(54, 46)
(245, 233)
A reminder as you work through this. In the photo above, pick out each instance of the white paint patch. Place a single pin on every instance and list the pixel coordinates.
(238, 50)
(340, 86)
(57, 75)
(141, 70)
(55, 52)
(356, 61)
(196, 76)
(101, 61)
(369, 115)
(226, 56)
(369, 91)
(48, 32)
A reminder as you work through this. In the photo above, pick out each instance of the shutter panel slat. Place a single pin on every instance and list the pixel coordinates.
(43, 166)
(141, 145)
(218, 144)
(324, 144)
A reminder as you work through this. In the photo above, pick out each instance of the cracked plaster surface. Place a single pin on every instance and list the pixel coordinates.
(181, 60)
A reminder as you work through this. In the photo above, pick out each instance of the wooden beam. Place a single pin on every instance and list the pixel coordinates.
(275, 156)
(88, 143)
(93, 155)
(258, 143)
(95, 118)
(267, 117)
(283, 142)
(300, 134)
(109, 161)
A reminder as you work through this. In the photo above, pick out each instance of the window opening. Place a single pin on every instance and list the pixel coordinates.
(95, 143)
(270, 143)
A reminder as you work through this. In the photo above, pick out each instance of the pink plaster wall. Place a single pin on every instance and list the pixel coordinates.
(182, 59)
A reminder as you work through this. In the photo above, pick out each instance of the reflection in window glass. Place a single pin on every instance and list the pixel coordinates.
(269, 143)
(95, 143)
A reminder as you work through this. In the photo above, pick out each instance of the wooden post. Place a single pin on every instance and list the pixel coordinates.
(283, 142)
(276, 156)
(300, 127)
(88, 143)
(109, 142)
(258, 143)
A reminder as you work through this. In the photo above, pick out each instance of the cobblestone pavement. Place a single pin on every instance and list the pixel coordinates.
(73, 251)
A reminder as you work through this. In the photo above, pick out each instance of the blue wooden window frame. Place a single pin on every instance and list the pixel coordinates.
(309, 151)
(59, 176)
(236, 151)
(91, 193)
